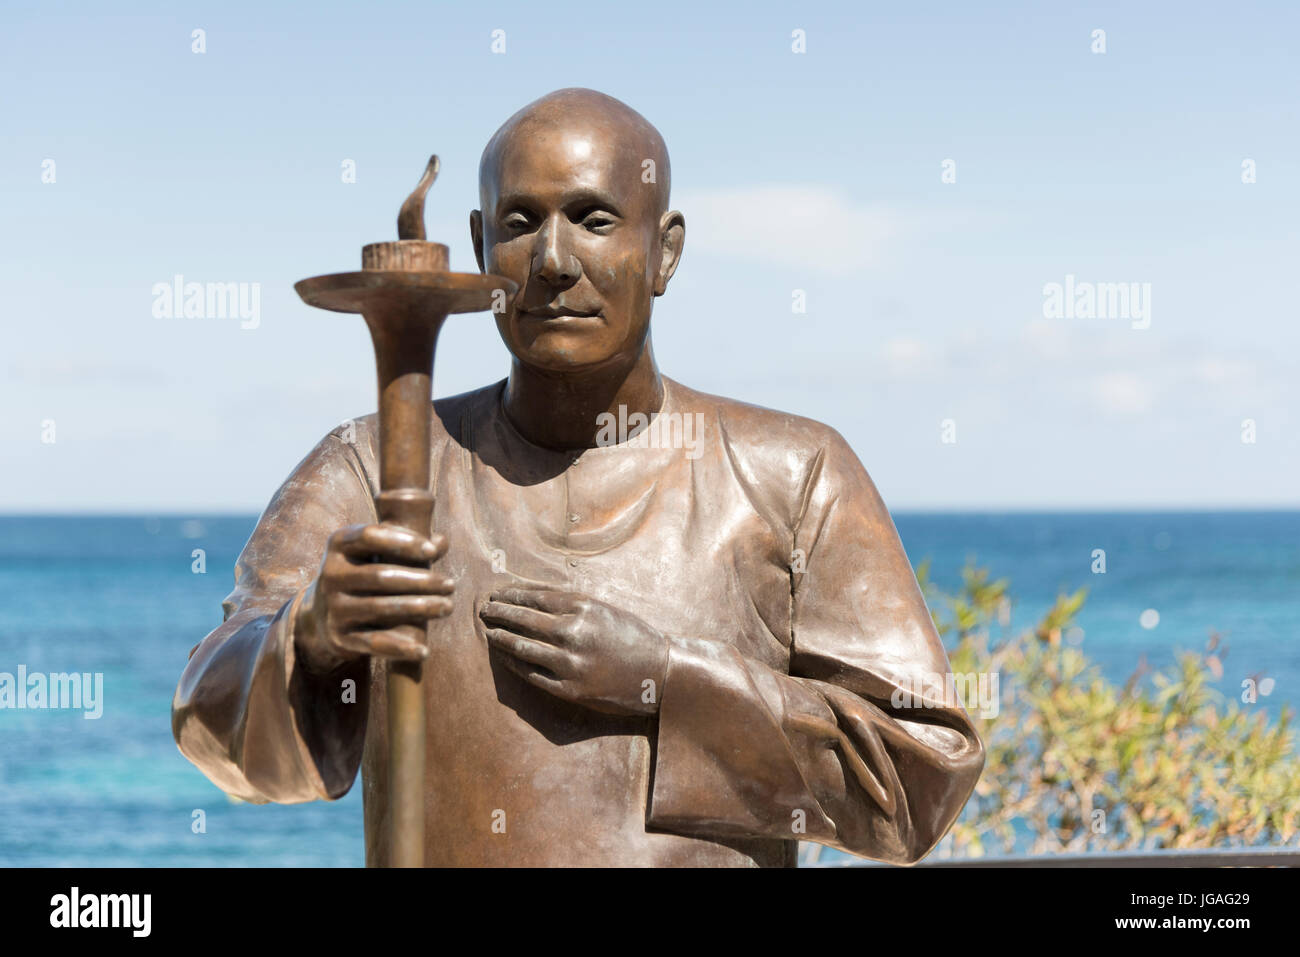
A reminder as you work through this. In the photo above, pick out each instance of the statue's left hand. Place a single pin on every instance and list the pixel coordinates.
(578, 648)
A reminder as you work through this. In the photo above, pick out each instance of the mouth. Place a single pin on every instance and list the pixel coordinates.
(559, 313)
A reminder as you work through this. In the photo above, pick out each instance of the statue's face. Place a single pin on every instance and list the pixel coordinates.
(568, 218)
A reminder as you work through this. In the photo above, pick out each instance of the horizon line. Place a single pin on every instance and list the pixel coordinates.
(1088, 509)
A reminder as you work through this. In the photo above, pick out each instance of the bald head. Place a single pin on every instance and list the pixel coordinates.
(587, 126)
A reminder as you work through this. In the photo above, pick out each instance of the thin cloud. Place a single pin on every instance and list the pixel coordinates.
(806, 226)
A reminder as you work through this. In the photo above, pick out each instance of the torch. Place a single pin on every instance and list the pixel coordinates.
(405, 292)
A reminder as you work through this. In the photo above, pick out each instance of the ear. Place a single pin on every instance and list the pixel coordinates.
(672, 237)
(476, 237)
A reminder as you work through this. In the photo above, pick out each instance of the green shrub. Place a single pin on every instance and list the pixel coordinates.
(1076, 763)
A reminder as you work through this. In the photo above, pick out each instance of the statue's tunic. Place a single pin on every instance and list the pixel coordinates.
(758, 545)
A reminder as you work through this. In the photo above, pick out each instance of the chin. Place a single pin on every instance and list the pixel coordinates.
(558, 352)
(562, 350)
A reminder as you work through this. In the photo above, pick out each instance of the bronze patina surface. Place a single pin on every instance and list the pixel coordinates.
(654, 626)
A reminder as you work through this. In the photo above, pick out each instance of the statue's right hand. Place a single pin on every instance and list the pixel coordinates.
(373, 579)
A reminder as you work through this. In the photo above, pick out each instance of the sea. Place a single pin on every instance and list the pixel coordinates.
(127, 597)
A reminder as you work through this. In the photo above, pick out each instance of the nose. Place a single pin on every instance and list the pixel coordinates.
(553, 262)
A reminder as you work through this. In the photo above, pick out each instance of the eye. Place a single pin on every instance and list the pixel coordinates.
(598, 221)
(516, 222)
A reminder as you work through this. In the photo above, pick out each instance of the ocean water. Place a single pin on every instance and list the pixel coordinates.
(118, 595)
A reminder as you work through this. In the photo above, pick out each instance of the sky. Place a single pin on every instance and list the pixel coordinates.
(917, 177)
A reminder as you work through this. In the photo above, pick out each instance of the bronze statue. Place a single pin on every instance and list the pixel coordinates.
(663, 627)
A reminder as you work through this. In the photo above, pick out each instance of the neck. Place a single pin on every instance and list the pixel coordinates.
(561, 411)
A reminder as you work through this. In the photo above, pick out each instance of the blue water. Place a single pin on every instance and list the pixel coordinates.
(117, 595)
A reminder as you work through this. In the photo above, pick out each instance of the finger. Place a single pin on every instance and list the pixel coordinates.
(525, 621)
(549, 600)
(386, 644)
(364, 611)
(555, 660)
(392, 580)
(536, 678)
(361, 542)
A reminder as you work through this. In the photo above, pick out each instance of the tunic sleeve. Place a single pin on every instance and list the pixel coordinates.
(862, 746)
(261, 727)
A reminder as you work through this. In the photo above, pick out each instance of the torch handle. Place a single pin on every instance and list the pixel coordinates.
(413, 509)
(404, 349)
